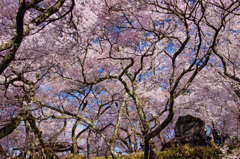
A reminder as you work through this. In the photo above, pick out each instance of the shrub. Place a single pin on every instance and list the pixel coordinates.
(185, 152)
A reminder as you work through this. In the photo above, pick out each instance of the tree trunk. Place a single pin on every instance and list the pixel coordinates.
(74, 139)
(27, 140)
(150, 151)
(88, 144)
(38, 134)
(107, 153)
(112, 153)
(74, 146)
(29, 148)
(146, 149)
(2, 152)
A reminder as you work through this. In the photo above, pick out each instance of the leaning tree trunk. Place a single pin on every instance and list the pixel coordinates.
(2, 152)
(38, 135)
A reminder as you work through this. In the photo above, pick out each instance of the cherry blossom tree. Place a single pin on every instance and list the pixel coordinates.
(20, 20)
(100, 77)
(182, 34)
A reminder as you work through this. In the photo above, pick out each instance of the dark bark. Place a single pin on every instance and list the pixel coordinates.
(14, 43)
(2, 152)
(13, 124)
(149, 149)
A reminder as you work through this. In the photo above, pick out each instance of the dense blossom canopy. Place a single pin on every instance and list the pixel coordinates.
(106, 76)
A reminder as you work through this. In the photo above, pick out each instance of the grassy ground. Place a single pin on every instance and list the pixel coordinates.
(184, 152)
(181, 152)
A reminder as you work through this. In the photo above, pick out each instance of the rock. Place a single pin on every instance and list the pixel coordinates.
(189, 126)
(188, 130)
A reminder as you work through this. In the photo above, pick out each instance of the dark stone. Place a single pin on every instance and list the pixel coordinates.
(189, 126)
(189, 130)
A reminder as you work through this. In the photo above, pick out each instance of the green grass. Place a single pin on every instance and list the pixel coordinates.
(82, 157)
(180, 152)
(185, 152)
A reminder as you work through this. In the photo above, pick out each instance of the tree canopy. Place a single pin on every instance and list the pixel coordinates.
(106, 76)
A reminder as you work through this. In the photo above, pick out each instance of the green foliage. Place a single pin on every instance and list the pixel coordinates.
(179, 152)
(229, 151)
(74, 157)
(232, 147)
(82, 157)
(137, 155)
(185, 152)
(182, 152)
